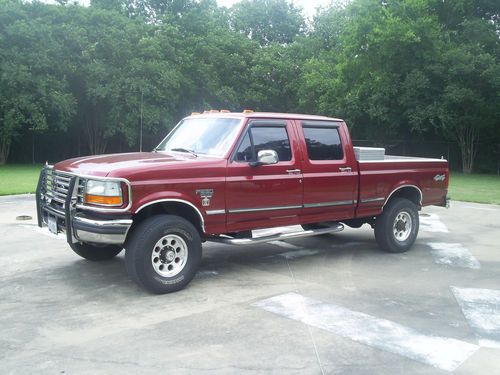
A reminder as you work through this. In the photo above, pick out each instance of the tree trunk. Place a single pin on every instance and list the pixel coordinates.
(95, 136)
(4, 150)
(467, 142)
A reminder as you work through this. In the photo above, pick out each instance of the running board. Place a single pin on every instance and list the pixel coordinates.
(337, 227)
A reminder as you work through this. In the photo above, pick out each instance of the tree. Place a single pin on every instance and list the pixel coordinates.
(213, 60)
(470, 74)
(32, 94)
(392, 68)
(274, 78)
(267, 21)
(396, 68)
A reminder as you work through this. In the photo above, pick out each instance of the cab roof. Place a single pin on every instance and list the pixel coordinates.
(273, 115)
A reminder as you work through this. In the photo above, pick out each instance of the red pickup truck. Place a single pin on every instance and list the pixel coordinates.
(219, 176)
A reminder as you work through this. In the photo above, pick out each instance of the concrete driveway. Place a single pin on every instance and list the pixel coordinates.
(332, 304)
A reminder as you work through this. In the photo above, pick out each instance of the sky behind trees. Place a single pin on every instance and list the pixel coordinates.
(309, 6)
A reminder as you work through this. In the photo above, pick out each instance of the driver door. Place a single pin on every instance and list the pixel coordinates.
(265, 195)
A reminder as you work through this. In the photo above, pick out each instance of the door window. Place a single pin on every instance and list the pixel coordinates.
(323, 143)
(260, 138)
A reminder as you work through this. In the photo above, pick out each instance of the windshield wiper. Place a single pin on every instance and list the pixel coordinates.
(180, 149)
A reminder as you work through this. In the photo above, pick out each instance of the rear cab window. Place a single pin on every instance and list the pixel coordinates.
(323, 141)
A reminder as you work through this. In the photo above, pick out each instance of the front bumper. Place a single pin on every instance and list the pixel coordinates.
(79, 226)
(100, 231)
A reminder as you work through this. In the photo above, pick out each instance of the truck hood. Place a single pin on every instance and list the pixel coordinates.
(128, 164)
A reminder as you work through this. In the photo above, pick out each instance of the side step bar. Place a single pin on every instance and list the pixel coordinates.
(337, 227)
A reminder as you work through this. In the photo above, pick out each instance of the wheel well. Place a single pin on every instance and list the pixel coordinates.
(412, 193)
(183, 210)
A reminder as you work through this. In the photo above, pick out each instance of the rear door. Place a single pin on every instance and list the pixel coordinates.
(266, 195)
(329, 170)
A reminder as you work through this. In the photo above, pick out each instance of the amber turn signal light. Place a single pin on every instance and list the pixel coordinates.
(101, 199)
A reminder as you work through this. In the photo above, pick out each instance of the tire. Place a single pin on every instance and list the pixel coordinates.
(96, 253)
(397, 227)
(163, 253)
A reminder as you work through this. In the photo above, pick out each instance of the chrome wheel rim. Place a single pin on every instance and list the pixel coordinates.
(169, 255)
(402, 226)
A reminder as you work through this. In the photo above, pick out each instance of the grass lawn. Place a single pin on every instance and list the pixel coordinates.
(480, 188)
(18, 179)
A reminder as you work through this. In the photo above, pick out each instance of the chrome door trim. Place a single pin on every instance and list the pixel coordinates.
(307, 205)
(272, 208)
(371, 200)
(326, 204)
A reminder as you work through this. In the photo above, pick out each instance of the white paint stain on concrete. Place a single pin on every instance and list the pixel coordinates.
(481, 308)
(46, 232)
(441, 352)
(298, 254)
(432, 223)
(285, 245)
(453, 254)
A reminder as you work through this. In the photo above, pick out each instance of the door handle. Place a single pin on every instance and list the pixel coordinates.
(293, 171)
(345, 169)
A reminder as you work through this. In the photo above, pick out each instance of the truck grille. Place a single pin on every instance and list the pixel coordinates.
(55, 187)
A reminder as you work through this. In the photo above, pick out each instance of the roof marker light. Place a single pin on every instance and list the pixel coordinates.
(248, 111)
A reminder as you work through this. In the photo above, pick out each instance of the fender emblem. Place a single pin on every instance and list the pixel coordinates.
(439, 177)
(205, 195)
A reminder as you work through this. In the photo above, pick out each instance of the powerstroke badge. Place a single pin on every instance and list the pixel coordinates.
(205, 195)
(439, 177)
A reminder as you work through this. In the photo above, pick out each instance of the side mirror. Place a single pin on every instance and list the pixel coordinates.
(265, 157)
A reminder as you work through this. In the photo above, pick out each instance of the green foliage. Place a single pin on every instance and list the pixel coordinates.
(267, 21)
(32, 96)
(393, 69)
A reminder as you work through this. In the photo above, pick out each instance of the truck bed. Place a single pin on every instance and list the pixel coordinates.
(381, 175)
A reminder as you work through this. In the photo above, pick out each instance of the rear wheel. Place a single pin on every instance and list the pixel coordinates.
(95, 253)
(163, 253)
(397, 227)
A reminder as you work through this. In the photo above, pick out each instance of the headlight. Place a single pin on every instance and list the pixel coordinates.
(103, 193)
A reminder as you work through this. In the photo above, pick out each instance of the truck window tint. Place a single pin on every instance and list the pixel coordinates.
(245, 150)
(323, 143)
(265, 138)
(269, 138)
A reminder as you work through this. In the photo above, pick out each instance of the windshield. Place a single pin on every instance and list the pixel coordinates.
(206, 136)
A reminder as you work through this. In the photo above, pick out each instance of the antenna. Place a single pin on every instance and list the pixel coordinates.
(140, 137)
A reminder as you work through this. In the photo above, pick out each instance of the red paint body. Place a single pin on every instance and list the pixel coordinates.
(238, 186)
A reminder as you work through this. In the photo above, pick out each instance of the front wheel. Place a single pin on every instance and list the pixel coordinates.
(163, 253)
(397, 227)
(95, 253)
